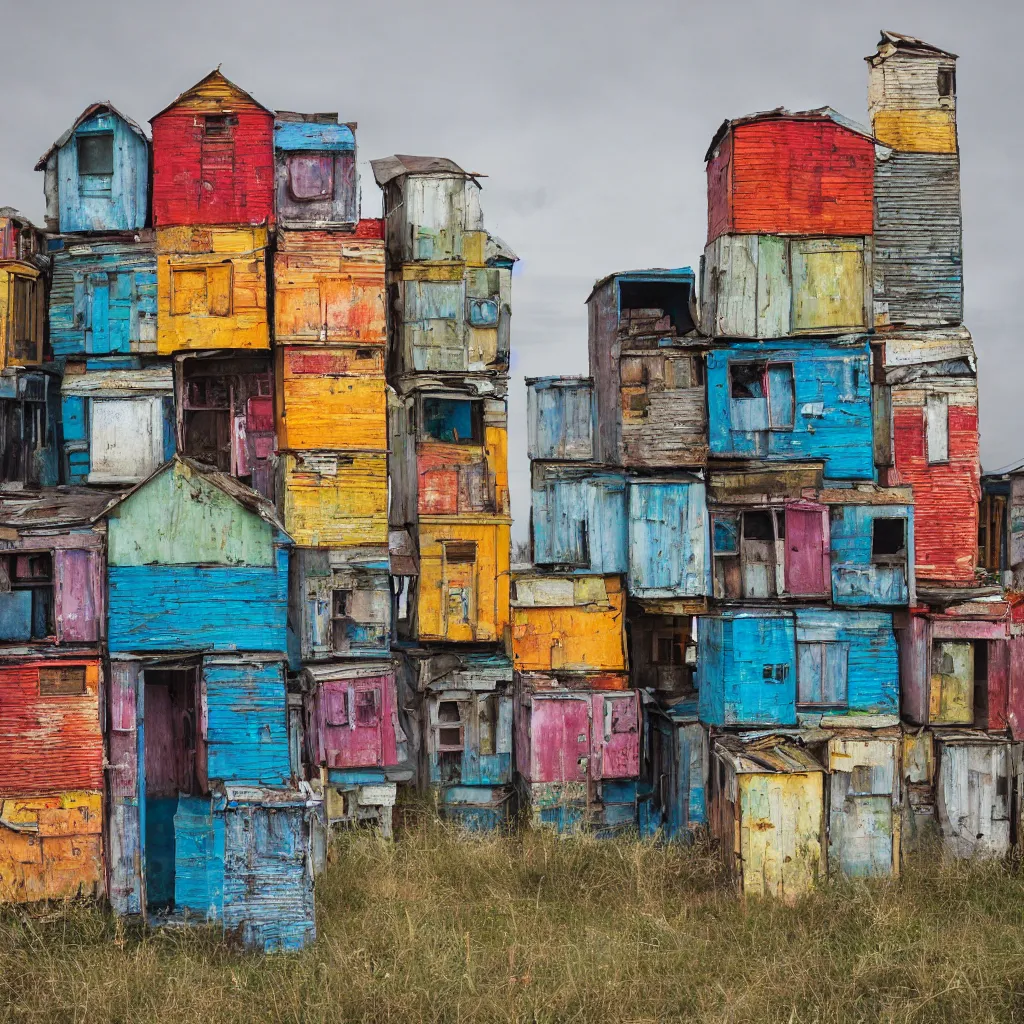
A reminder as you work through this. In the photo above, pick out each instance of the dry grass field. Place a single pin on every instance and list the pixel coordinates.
(439, 927)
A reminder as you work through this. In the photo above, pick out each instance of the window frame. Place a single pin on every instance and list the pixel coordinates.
(900, 557)
(205, 268)
(822, 646)
(94, 184)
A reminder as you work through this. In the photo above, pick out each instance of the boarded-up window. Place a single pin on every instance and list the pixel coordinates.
(24, 319)
(481, 312)
(951, 698)
(335, 705)
(311, 176)
(219, 126)
(463, 552)
(807, 569)
(95, 164)
(188, 291)
(828, 284)
(822, 673)
(126, 439)
(218, 289)
(937, 427)
(62, 682)
(781, 396)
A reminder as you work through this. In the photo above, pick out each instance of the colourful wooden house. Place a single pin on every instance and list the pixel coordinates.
(52, 619)
(211, 288)
(97, 174)
(315, 169)
(451, 279)
(213, 158)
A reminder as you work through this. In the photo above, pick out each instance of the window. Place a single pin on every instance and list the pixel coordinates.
(456, 421)
(745, 549)
(668, 648)
(888, 540)
(746, 380)
(450, 734)
(367, 708)
(335, 705)
(684, 372)
(947, 83)
(311, 176)
(218, 126)
(778, 673)
(26, 596)
(341, 602)
(201, 291)
(821, 673)
(24, 324)
(95, 164)
(460, 551)
(62, 682)
(936, 414)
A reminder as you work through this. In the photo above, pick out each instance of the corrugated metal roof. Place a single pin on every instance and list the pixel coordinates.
(90, 111)
(398, 166)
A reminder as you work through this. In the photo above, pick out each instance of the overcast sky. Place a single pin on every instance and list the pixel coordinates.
(590, 119)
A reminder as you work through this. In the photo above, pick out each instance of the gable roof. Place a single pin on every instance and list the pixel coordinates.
(90, 111)
(54, 507)
(390, 167)
(782, 114)
(245, 496)
(908, 44)
(215, 74)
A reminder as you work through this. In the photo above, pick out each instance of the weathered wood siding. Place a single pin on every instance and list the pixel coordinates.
(784, 175)
(86, 202)
(578, 517)
(569, 624)
(211, 288)
(213, 172)
(973, 794)
(333, 499)
(22, 314)
(858, 576)
(823, 407)
(485, 756)
(463, 591)
(315, 169)
(560, 418)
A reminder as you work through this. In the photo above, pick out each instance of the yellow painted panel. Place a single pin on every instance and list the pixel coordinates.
(432, 271)
(211, 288)
(483, 345)
(51, 847)
(22, 314)
(333, 500)
(334, 413)
(464, 578)
(334, 291)
(496, 445)
(828, 284)
(951, 695)
(473, 245)
(781, 832)
(917, 131)
(574, 638)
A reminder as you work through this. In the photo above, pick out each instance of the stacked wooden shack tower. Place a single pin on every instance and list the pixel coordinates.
(255, 525)
(765, 497)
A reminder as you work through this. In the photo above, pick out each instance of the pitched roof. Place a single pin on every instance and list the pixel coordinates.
(782, 114)
(214, 74)
(770, 755)
(55, 507)
(90, 111)
(908, 44)
(390, 167)
(249, 499)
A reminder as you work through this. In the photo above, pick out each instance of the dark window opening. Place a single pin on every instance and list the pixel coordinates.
(947, 82)
(218, 126)
(664, 298)
(341, 618)
(460, 551)
(448, 711)
(758, 526)
(669, 649)
(23, 318)
(96, 154)
(26, 596)
(746, 380)
(449, 766)
(453, 420)
(888, 538)
(367, 708)
(449, 738)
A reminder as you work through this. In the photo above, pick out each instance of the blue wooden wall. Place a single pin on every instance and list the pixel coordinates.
(669, 551)
(872, 667)
(831, 406)
(199, 858)
(746, 671)
(118, 204)
(246, 721)
(567, 499)
(856, 579)
(560, 416)
(103, 299)
(198, 608)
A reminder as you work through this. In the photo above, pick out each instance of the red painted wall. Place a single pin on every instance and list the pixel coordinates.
(232, 184)
(48, 744)
(791, 177)
(946, 494)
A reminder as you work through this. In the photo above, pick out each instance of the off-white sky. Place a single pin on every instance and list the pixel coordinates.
(591, 120)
